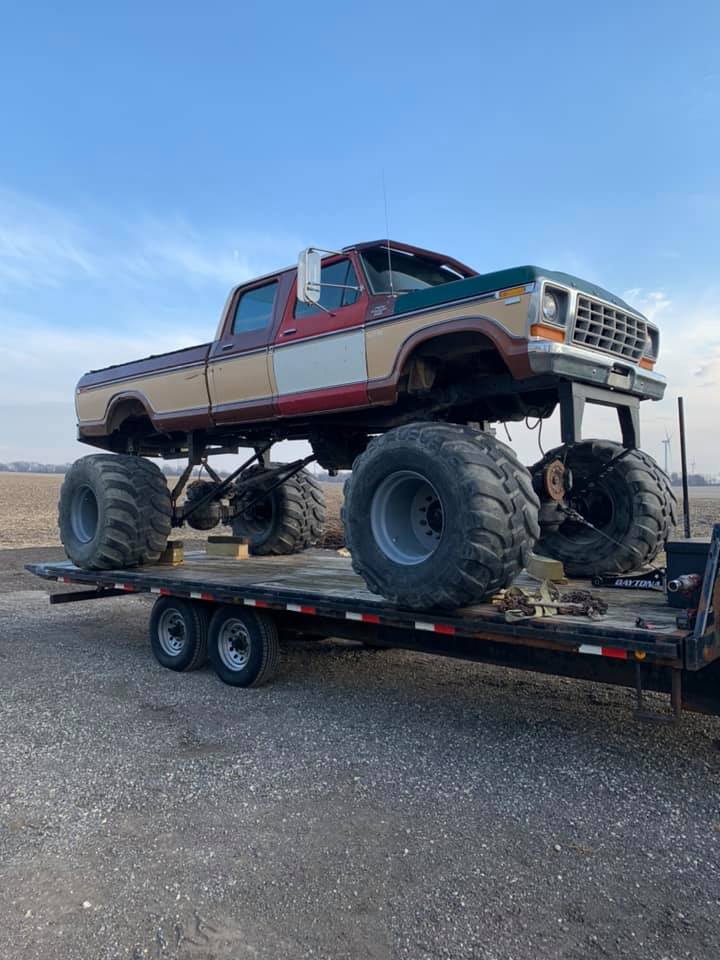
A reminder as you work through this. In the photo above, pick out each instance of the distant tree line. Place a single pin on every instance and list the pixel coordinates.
(694, 480)
(30, 466)
(169, 469)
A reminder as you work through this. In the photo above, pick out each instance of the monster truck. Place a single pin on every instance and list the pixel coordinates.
(393, 362)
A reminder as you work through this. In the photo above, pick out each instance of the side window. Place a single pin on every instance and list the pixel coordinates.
(342, 275)
(255, 308)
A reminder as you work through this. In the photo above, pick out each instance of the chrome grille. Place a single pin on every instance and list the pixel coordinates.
(606, 328)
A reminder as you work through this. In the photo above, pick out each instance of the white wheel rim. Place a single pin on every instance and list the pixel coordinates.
(234, 645)
(407, 518)
(84, 514)
(171, 632)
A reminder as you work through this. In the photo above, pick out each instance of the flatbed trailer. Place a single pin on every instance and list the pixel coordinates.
(236, 612)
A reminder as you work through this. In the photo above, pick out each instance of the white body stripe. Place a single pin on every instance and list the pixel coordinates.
(325, 362)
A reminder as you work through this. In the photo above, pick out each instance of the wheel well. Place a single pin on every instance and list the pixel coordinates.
(449, 358)
(125, 410)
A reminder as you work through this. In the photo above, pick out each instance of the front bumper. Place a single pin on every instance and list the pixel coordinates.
(587, 366)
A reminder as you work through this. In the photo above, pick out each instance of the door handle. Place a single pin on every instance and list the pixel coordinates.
(227, 346)
(289, 331)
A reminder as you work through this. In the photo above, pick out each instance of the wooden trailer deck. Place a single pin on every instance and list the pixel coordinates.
(321, 583)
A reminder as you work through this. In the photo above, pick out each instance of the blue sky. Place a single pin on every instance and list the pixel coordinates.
(154, 154)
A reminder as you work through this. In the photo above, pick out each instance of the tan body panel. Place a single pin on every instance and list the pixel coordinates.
(164, 394)
(239, 379)
(384, 339)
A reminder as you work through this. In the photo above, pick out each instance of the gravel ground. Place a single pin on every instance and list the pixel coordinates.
(369, 804)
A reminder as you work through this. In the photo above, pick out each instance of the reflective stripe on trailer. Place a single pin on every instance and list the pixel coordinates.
(435, 627)
(613, 652)
(362, 617)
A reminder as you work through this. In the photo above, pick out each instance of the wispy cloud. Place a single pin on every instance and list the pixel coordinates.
(651, 303)
(39, 244)
(42, 362)
(42, 245)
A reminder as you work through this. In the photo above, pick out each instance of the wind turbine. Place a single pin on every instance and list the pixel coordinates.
(666, 443)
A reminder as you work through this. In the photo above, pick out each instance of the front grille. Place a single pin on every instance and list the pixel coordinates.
(602, 327)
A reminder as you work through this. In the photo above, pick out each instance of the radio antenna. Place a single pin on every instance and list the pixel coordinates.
(387, 234)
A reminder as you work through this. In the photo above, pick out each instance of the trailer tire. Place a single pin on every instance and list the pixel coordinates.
(114, 511)
(277, 525)
(178, 633)
(632, 503)
(243, 646)
(439, 515)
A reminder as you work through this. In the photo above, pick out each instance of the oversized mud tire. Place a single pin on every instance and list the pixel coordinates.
(437, 515)
(208, 516)
(114, 512)
(624, 494)
(276, 525)
(315, 508)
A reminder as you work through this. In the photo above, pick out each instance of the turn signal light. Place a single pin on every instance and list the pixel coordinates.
(548, 333)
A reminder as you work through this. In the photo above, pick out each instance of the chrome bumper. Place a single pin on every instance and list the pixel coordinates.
(575, 363)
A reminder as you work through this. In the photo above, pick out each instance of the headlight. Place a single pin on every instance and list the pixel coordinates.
(652, 344)
(550, 307)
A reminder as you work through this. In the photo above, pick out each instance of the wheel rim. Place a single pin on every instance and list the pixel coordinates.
(257, 522)
(406, 517)
(234, 645)
(171, 632)
(84, 514)
(596, 507)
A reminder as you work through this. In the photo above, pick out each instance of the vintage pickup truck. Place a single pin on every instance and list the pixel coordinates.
(392, 361)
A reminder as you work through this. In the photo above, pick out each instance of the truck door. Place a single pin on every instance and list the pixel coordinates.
(239, 380)
(318, 357)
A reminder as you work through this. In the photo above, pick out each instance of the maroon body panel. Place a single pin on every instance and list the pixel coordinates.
(156, 363)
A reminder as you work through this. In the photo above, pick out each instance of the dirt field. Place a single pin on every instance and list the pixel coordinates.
(28, 511)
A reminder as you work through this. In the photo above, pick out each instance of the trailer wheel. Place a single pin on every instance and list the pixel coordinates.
(243, 646)
(114, 511)
(438, 515)
(624, 494)
(178, 633)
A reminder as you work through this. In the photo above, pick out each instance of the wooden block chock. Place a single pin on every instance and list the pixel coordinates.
(231, 548)
(545, 568)
(173, 554)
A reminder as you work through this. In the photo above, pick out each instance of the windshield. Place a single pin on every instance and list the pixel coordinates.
(410, 271)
